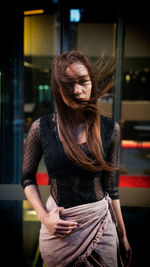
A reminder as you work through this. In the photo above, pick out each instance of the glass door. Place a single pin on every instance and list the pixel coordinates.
(41, 45)
(135, 116)
(93, 34)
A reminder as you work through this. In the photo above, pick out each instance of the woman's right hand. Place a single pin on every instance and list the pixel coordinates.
(55, 225)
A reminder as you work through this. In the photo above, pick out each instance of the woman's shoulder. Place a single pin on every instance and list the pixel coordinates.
(48, 117)
(35, 126)
(110, 129)
(107, 122)
(107, 128)
(47, 121)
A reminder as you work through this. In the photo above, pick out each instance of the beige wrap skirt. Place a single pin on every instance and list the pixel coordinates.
(93, 243)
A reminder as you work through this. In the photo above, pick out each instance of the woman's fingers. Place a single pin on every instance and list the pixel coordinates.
(67, 223)
(61, 222)
(66, 228)
(128, 258)
(58, 226)
(63, 233)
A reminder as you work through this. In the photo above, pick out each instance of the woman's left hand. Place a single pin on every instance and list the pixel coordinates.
(126, 251)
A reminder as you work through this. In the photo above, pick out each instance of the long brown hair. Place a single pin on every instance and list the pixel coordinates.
(68, 106)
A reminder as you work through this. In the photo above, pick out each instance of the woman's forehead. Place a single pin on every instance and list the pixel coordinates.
(77, 68)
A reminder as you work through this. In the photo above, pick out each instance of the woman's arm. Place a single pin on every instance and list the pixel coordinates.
(120, 223)
(110, 184)
(34, 197)
(51, 220)
(124, 244)
(32, 156)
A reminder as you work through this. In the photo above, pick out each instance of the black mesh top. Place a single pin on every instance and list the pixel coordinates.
(70, 185)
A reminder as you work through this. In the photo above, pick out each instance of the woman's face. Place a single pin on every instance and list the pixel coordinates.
(82, 90)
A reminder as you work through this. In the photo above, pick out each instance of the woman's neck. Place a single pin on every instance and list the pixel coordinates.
(78, 127)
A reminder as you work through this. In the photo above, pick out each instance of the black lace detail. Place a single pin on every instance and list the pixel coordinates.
(70, 185)
(110, 179)
(32, 155)
(107, 126)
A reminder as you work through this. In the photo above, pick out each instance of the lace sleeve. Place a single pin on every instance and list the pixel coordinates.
(32, 155)
(110, 179)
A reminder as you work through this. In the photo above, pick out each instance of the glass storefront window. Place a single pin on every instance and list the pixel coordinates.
(25, 92)
(100, 43)
(135, 117)
(41, 45)
(90, 34)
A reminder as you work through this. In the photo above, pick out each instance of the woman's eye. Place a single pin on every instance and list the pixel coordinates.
(86, 82)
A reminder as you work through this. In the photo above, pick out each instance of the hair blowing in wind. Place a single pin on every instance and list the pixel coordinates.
(73, 111)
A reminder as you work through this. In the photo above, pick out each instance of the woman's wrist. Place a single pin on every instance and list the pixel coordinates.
(42, 215)
(121, 233)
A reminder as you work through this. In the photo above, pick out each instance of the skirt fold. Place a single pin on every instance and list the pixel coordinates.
(95, 235)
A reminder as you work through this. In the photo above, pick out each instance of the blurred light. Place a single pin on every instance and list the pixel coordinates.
(127, 78)
(46, 87)
(34, 12)
(75, 15)
(143, 79)
(136, 72)
(31, 212)
(146, 69)
(43, 87)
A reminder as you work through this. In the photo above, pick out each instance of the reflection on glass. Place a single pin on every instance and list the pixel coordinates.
(99, 43)
(31, 227)
(75, 15)
(40, 47)
(135, 120)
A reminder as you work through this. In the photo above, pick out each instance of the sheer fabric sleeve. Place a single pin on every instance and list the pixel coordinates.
(32, 155)
(110, 179)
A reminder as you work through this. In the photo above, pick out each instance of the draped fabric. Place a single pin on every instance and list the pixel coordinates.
(93, 243)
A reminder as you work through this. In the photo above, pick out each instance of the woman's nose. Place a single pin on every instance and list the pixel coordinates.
(77, 89)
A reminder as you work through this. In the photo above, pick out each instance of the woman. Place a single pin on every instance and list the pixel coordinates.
(82, 214)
